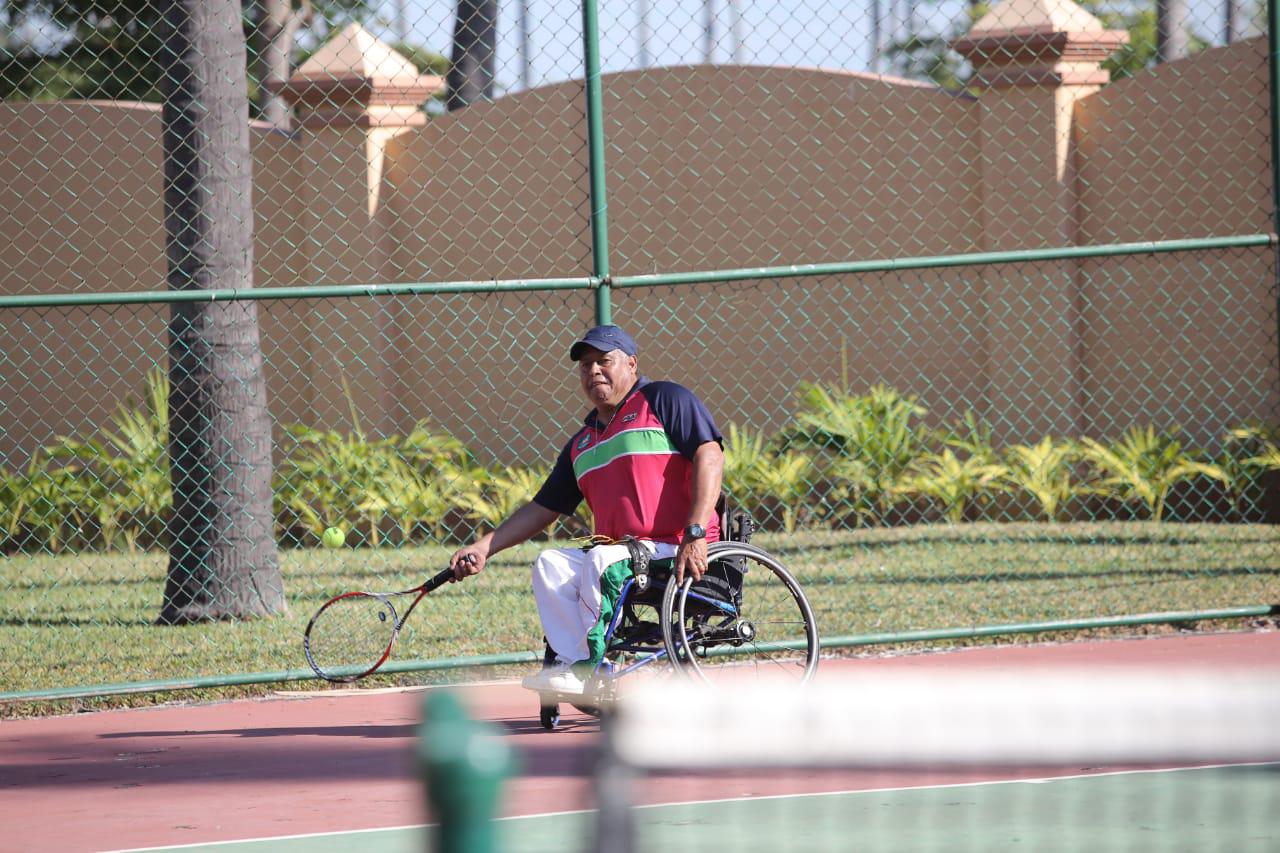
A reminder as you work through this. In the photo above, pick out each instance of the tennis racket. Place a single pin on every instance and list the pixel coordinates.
(351, 635)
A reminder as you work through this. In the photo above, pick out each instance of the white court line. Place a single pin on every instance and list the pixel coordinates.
(1040, 780)
(272, 838)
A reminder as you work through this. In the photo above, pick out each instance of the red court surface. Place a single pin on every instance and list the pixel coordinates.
(339, 761)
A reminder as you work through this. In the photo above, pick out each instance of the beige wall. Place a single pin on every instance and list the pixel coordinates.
(806, 166)
(1197, 121)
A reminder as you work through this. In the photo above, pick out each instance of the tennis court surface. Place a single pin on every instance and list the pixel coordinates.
(339, 771)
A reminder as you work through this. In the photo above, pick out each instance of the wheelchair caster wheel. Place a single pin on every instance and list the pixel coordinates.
(550, 717)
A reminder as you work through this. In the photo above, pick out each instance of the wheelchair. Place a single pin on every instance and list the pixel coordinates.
(746, 618)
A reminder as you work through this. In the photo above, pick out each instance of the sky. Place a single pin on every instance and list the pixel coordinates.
(824, 33)
(829, 34)
(818, 33)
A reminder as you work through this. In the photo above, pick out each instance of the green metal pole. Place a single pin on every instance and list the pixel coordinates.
(532, 285)
(280, 676)
(1271, 501)
(1020, 256)
(327, 291)
(1273, 67)
(976, 631)
(595, 153)
(1169, 617)
(84, 692)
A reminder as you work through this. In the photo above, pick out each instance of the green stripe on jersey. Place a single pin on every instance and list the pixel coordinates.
(633, 441)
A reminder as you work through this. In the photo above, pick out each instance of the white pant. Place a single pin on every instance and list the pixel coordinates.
(566, 586)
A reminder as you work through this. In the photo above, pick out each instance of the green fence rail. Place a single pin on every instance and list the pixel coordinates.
(334, 291)
(989, 323)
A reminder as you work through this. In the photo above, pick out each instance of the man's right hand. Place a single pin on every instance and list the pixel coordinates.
(467, 561)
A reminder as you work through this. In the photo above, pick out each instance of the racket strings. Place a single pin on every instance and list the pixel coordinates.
(351, 635)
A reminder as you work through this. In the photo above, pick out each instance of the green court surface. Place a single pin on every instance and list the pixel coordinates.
(1233, 808)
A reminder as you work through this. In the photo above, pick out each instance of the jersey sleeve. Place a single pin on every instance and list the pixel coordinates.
(560, 492)
(685, 418)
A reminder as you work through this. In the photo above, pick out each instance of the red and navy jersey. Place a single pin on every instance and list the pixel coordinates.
(635, 471)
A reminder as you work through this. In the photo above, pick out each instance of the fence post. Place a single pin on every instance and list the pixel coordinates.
(1271, 479)
(595, 152)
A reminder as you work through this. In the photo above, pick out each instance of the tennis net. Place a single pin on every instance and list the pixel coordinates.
(972, 760)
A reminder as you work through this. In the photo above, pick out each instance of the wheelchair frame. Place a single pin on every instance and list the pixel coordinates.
(668, 641)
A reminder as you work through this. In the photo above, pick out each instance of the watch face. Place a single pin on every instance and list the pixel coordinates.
(695, 531)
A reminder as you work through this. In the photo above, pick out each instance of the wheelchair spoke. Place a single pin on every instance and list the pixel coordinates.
(747, 619)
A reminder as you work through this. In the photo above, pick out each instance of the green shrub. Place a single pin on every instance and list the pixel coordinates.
(42, 507)
(1248, 453)
(865, 443)
(951, 481)
(1143, 466)
(334, 479)
(122, 479)
(1044, 472)
(843, 453)
(971, 436)
(492, 496)
(768, 482)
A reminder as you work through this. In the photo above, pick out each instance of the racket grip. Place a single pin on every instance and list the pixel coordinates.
(438, 581)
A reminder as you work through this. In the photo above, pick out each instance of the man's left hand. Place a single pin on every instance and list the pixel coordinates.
(691, 556)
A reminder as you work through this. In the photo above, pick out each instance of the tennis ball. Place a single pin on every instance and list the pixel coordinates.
(333, 537)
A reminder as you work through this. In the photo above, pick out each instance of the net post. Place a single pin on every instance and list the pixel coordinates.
(465, 764)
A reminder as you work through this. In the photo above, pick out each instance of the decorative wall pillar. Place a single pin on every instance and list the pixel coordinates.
(357, 87)
(1032, 60)
(350, 99)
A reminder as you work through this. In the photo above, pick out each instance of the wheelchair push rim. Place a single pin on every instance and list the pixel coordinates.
(768, 631)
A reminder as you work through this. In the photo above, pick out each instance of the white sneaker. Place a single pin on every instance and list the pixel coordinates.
(560, 679)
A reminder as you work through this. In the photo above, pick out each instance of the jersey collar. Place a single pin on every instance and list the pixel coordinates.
(641, 381)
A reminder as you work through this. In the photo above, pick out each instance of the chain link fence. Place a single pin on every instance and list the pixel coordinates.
(982, 297)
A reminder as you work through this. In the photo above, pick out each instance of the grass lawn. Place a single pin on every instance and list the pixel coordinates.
(79, 620)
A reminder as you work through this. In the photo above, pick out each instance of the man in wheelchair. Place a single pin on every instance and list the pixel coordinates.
(648, 460)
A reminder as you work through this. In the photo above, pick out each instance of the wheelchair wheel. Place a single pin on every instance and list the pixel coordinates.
(747, 619)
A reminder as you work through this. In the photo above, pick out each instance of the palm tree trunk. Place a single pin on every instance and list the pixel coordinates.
(877, 35)
(475, 41)
(402, 23)
(1235, 22)
(222, 556)
(1171, 30)
(643, 33)
(735, 32)
(526, 48)
(708, 31)
(276, 26)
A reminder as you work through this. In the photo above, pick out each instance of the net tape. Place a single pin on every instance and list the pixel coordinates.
(883, 718)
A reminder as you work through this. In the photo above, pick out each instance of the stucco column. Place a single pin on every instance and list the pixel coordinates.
(1032, 60)
(350, 99)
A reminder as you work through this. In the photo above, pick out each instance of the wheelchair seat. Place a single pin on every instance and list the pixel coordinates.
(723, 581)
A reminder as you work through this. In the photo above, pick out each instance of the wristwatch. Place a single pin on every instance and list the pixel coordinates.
(695, 531)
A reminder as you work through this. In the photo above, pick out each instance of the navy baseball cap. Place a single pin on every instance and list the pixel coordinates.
(605, 339)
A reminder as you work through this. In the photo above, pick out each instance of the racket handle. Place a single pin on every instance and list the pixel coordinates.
(438, 581)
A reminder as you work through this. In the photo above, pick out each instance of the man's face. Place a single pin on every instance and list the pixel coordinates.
(606, 376)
